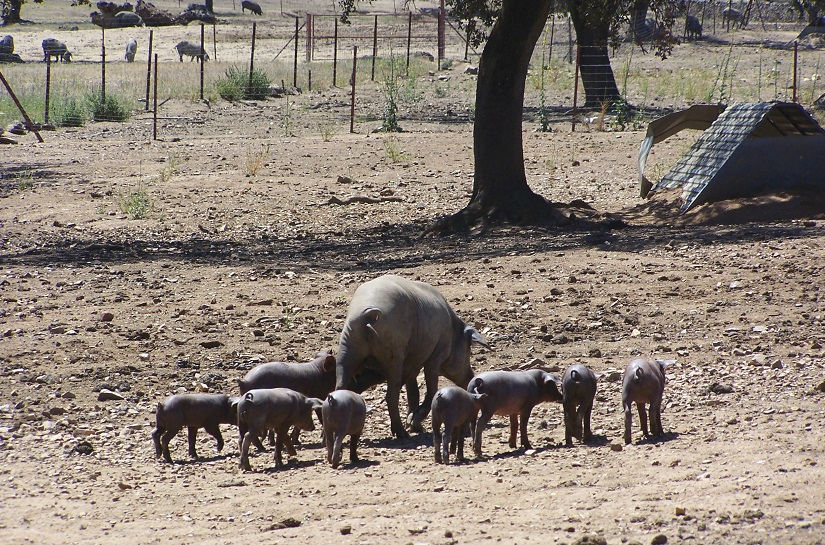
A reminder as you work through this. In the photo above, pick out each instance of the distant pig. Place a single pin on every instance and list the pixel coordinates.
(273, 409)
(192, 411)
(131, 51)
(344, 413)
(513, 394)
(578, 386)
(454, 407)
(397, 327)
(644, 382)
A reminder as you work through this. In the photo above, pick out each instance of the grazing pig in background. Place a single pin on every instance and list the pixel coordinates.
(7, 44)
(693, 28)
(644, 382)
(131, 50)
(454, 407)
(56, 49)
(251, 6)
(344, 413)
(273, 409)
(578, 386)
(397, 327)
(513, 394)
(193, 51)
(192, 411)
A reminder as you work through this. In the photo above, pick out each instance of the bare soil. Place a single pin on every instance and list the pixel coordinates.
(242, 261)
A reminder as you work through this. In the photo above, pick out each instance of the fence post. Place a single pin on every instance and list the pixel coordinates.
(335, 53)
(29, 123)
(214, 42)
(155, 102)
(252, 57)
(576, 86)
(48, 87)
(103, 65)
(552, 32)
(374, 46)
(295, 59)
(409, 40)
(441, 35)
(795, 70)
(203, 61)
(310, 35)
(149, 70)
(352, 100)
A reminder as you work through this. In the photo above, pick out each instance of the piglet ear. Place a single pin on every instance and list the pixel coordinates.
(552, 377)
(664, 364)
(597, 376)
(329, 363)
(314, 403)
(476, 337)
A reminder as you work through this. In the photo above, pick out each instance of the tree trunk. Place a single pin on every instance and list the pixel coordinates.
(638, 16)
(500, 190)
(11, 13)
(592, 35)
(209, 6)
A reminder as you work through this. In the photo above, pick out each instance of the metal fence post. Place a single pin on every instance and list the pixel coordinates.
(149, 70)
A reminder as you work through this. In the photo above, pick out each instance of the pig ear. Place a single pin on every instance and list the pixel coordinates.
(597, 376)
(552, 377)
(329, 363)
(476, 337)
(664, 364)
(314, 403)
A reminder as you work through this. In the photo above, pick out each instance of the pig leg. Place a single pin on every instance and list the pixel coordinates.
(525, 416)
(336, 448)
(642, 418)
(459, 438)
(156, 439)
(431, 381)
(247, 439)
(656, 419)
(215, 431)
(165, 438)
(394, 382)
(329, 432)
(479, 429)
(586, 434)
(437, 438)
(193, 434)
(283, 440)
(578, 431)
(413, 396)
(513, 430)
(628, 418)
(353, 448)
(569, 424)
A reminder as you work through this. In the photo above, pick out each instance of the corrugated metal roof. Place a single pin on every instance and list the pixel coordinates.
(695, 170)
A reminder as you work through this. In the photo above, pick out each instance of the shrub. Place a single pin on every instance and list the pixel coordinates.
(68, 113)
(110, 109)
(236, 84)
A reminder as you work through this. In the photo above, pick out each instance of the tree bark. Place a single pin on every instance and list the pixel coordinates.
(11, 14)
(592, 35)
(500, 190)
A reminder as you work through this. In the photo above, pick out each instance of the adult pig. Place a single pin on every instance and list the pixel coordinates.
(513, 394)
(273, 409)
(344, 413)
(644, 382)
(453, 407)
(192, 411)
(397, 327)
(578, 386)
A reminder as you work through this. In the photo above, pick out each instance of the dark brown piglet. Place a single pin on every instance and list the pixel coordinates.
(453, 407)
(644, 382)
(273, 409)
(513, 394)
(578, 387)
(344, 413)
(192, 411)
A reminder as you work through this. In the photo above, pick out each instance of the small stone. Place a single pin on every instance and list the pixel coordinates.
(124, 486)
(659, 539)
(777, 365)
(69, 395)
(108, 395)
(613, 376)
(821, 386)
(718, 388)
(346, 530)
(211, 344)
(680, 511)
(83, 447)
(107, 317)
(616, 446)
(143, 356)
(57, 411)
(448, 534)
(590, 540)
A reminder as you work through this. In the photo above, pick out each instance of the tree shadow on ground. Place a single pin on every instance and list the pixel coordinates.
(415, 440)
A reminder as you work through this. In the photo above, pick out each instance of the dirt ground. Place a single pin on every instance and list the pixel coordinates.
(244, 258)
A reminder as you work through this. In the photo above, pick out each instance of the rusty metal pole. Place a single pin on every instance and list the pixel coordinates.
(576, 85)
(203, 61)
(352, 100)
(441, 35)
(29, 123)
(48, 87)
(795, 68)
(409, 40)
(155, 103)
(103, 65)
(295, 60)
(374, 46)
(335, 53)
(252, 57)
(149, 70)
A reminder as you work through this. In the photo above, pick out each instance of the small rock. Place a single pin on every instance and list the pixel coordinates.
(108, 395)
(659, 539)
(346, 530)
(69, 395)
(448, 534)
(717, 388)
(288, 522)
(616, 446)
(590, 540)
(211, 344)
(680, 511)
(83, 447)
(124, 486)
(613, 376)
(143, 356)
(821, 386)
(107, 317)
(57, 411)
(777, 365)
